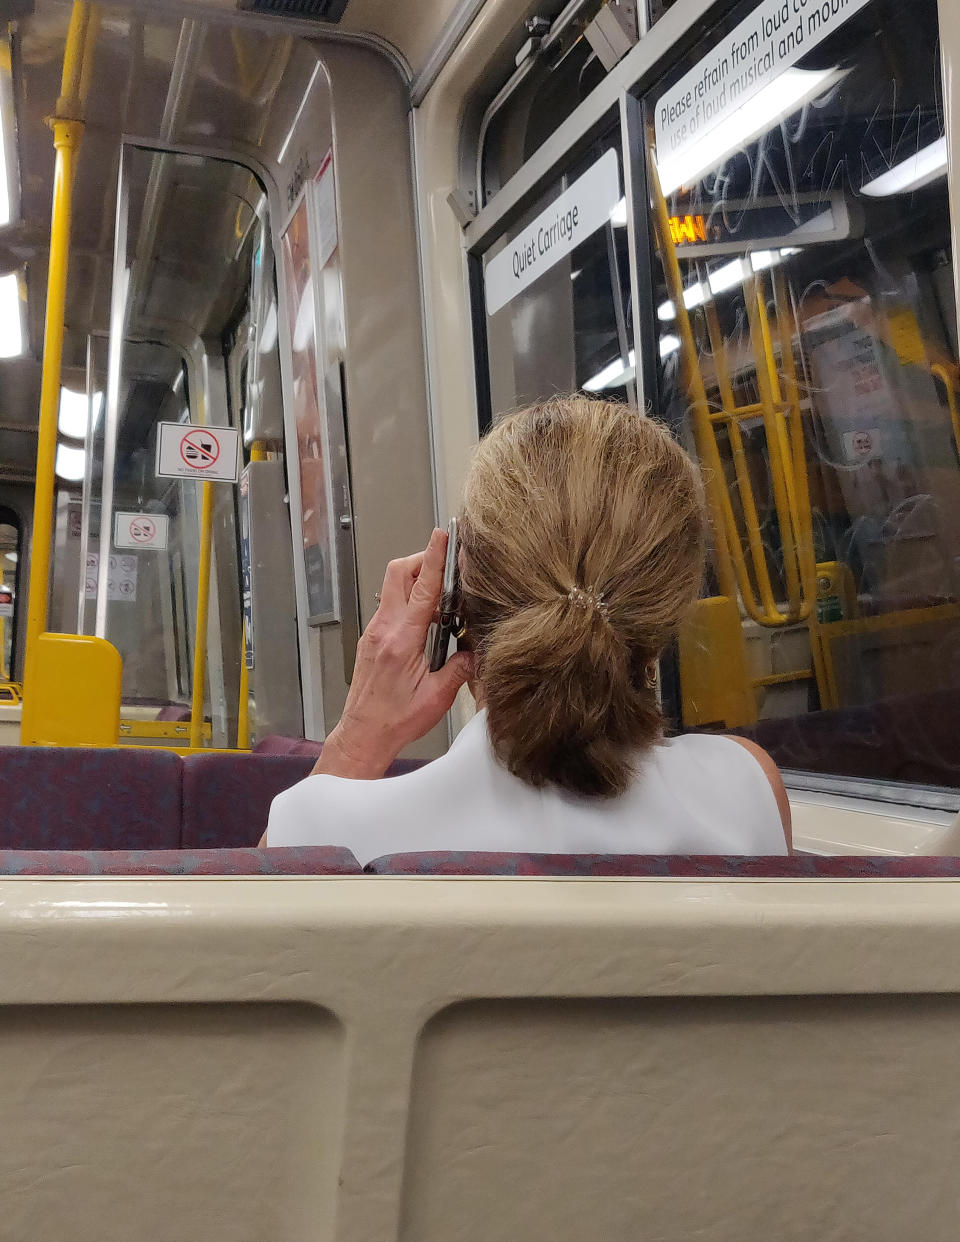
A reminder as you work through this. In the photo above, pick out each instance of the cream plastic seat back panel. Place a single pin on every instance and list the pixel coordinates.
(367, 1059)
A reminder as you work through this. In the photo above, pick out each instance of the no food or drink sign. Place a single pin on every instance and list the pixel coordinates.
(141, 530)
(185, 452)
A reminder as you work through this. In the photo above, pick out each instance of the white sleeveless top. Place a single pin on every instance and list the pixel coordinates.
(696, 794)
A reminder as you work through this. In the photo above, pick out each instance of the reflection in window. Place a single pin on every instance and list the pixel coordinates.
(809, 357)
(572, 326)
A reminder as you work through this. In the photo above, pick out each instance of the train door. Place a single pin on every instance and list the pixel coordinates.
(753, 239)
(169, 578)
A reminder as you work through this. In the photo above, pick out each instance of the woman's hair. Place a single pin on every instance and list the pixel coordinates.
(582, 532)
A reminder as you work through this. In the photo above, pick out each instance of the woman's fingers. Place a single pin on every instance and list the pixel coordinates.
(425, 592)
(399, 580)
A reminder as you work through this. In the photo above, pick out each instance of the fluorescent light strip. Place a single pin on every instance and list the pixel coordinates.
(11, 321)
(928, 165)
(70, 463)
(618, 217)
(74, 410)
(724, 278)
(615, 375)
(773, 104)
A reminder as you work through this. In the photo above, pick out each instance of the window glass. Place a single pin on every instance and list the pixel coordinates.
(558, 290)
(808, 339)
(553, 87)
(9, 553)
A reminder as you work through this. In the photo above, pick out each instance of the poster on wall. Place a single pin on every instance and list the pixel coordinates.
(319, 547)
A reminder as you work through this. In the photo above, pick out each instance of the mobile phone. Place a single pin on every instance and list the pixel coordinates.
(449, 622)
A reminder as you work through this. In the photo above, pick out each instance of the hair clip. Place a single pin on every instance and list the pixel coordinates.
(590, 598)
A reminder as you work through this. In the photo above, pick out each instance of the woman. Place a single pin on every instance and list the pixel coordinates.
(582, 552)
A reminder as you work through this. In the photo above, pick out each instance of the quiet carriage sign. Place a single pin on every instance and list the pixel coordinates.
(776, 35)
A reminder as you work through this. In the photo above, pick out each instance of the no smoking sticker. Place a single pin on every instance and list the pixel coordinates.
(141, 530)
(185, 452)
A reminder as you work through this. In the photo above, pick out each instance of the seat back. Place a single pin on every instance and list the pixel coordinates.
(732, 867)
(429, 1059)
(310, 860)
(226, 797)
(78, 798)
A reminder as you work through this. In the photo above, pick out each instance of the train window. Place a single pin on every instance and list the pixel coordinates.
(543, 92)
(557, 290)
(9, 564)
(808, 346)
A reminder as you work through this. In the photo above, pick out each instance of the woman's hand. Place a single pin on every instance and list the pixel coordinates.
(394, 698)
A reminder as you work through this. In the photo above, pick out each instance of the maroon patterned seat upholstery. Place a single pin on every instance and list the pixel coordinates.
(75, 798)
(313, 860)
(680, 866)
(226, 798)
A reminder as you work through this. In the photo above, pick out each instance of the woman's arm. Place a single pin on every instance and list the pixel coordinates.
(394, 699)
(772, 773)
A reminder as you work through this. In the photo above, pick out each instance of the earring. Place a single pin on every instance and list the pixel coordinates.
(650, 677)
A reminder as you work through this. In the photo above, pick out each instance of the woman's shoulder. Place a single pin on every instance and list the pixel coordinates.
(730, 770)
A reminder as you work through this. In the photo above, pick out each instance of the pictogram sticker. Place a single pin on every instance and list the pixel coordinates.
(149, 531)
(209, 453)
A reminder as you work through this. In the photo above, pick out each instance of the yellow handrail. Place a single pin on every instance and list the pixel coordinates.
(943, 375)
(68, 132)
(779, 410)
(203, 610)
(730, 574)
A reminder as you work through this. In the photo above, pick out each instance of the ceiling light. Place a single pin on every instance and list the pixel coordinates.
(694, 295)
(615, 375)
(74, 412)
(773, 104)
(12, 556)
(618, 217)
(727, 277)
(928, 165)
(669, 345)
(11, 320)
(71, 463)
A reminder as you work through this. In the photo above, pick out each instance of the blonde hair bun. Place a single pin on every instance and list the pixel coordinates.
(582, 528)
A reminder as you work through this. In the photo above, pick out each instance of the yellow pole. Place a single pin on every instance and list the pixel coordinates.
(203, 608)
(731, 570)
(67, 135)
(243, 713)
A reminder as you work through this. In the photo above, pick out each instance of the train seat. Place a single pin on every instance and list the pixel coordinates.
(277, 744)
(226, 797)
(432, 1058)
(584, 866)
(79, 798)
(911, 738)
(311, 860)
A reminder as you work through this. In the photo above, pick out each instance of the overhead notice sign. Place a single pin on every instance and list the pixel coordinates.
(207, 453)
(141, 530)
(572, 217)
(747, 62)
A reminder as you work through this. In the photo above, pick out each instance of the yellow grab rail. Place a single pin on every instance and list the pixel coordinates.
(68, 132)
(780, 413)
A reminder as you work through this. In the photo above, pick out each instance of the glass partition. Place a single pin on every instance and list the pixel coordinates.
(808, 347)
(189, 253)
